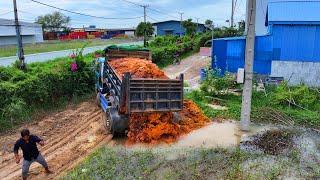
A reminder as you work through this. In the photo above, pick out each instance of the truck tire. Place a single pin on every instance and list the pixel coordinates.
(98, 99)
(107, 123)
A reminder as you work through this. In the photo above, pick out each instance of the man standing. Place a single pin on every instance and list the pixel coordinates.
(28, 144)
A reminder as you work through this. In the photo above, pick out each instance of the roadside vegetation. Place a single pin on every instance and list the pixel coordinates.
(56, 45)
(168, 49)
(281, 104)
(202, 163)
(43, 87)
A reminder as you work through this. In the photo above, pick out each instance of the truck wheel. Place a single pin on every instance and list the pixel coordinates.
(98, 99)
(107, 123)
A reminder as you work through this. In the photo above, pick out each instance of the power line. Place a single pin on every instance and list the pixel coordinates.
(130, 2)
(6, 13)
(82, 14)
(166, 14)
(153, 19)
(152, 9)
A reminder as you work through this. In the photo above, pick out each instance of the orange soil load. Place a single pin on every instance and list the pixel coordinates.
(138, 68)
(155, 127)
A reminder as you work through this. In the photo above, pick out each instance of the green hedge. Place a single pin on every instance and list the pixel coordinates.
(42, 85)
(164, 48)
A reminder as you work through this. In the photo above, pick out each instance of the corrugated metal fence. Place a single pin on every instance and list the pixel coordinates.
(229, 54)
(287, 43)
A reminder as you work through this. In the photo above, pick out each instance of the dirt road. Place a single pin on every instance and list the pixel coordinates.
(190, 67)
(74, 133)
(69, 135)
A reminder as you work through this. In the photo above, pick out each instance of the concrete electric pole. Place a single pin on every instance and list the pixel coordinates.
(197, 24)
(145, 22)
(232, 13)
(18, 35)
(247, 90)
(181, 19)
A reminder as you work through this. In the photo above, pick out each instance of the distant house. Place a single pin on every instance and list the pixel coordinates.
(30, 32)
(289, 48)
(172, 27)
(119, 32)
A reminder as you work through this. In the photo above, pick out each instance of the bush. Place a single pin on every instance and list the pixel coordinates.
(298, 95)
(166, 48)
(215, 84)
(42, 85)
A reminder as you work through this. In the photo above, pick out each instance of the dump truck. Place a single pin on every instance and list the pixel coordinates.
(121, 96)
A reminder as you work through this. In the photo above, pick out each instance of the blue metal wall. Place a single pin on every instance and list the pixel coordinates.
(296, 42)
(286, 43)
(305, 11)
(229, 54)
(175, 26)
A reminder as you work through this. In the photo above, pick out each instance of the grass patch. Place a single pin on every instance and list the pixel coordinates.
(271, 108)
(48, 46)
(120, 163)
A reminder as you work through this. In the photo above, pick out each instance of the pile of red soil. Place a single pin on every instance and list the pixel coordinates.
(155, 127)
(138, 68)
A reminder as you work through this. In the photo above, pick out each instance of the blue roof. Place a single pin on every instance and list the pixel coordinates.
(295, 11)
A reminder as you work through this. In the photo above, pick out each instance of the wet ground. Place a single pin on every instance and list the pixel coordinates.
(190, 67)
(215, 135)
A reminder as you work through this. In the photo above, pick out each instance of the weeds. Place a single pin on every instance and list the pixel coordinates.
(298, 106)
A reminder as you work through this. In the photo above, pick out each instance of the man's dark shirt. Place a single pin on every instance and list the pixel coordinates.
(30, 150)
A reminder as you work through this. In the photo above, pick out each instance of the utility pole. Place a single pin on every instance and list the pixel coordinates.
(18, 35)
(181, 13)
(247, 90)
(232, 13)
(145, 22)
(197, 24)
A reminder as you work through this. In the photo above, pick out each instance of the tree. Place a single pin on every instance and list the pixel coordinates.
(144, 27)
(242, 26)
(191, 28)
(209, 23)
(54, 22)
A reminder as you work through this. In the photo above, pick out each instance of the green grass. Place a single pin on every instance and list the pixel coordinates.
(120, 163)
(262, 107)
(48, 46)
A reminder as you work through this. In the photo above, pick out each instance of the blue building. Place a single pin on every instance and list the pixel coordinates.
(172, 27)
(290, 48)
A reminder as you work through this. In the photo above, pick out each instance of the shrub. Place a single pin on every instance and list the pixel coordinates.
(42, 85)
(165, 48)
(298, 95)
(214, 84)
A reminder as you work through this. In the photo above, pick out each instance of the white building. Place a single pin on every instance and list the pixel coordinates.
(31, 32)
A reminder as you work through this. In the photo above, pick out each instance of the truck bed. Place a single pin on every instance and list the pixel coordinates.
(137, 95)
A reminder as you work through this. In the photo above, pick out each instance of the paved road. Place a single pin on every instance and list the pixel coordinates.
(41, 57)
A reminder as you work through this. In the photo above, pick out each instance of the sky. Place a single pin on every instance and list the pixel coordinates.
(160, 10)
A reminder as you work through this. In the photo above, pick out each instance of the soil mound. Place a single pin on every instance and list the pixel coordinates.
(138, 68)
(165, 127)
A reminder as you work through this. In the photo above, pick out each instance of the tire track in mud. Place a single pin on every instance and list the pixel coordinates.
(69, 136)
(57, 141)
(52, 146)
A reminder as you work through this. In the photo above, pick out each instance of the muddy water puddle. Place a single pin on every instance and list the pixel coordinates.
(224, 135)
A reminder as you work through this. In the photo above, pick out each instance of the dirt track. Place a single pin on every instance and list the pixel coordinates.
(69, 136)
(74, 133)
